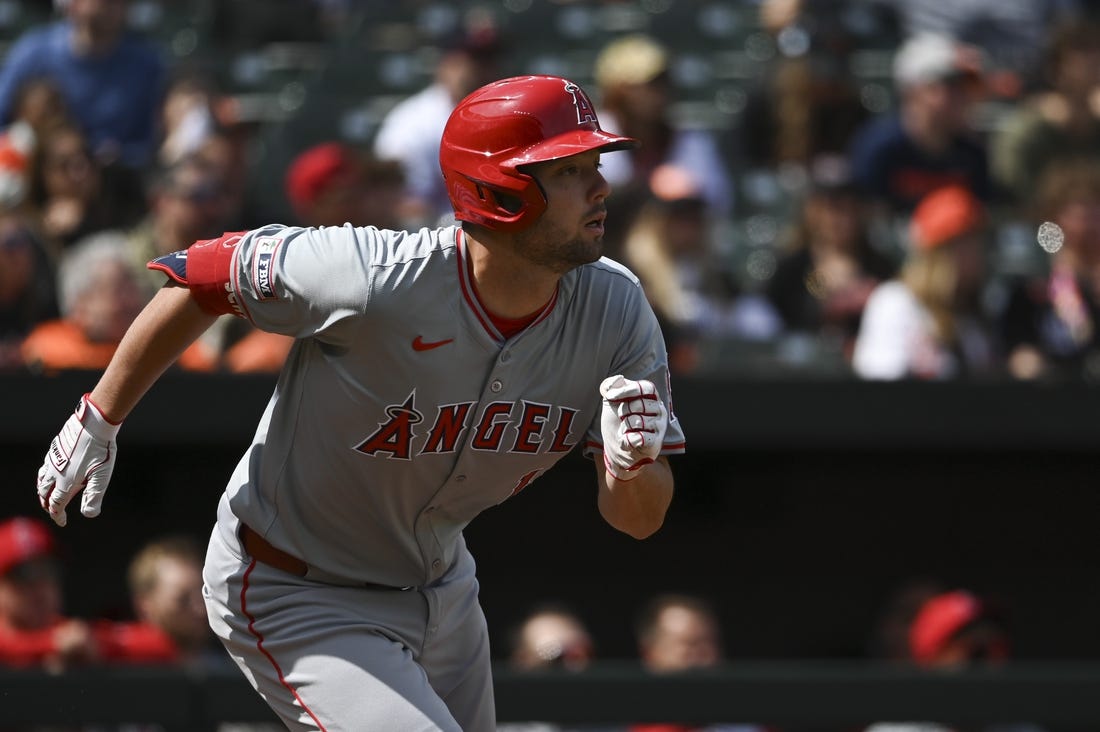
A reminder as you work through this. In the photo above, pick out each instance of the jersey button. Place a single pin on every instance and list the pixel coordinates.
(460, 478)
(496, 386)
(436, 563)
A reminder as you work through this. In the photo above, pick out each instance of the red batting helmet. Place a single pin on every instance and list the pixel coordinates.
(505, 125)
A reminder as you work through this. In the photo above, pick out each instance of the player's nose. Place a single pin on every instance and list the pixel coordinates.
(601, 189)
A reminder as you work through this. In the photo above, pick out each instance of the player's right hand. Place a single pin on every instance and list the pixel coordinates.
(81, 457)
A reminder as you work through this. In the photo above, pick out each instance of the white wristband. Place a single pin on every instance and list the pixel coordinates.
(93, 420)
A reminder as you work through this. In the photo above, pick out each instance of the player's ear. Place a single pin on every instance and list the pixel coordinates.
(511, 204)
(528, 170)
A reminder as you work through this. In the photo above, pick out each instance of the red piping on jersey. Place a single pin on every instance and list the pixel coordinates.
(469, 291)
(260, 647)
(548, 309)
(460, 240)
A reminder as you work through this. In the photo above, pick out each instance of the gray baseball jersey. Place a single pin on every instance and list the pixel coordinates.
(401, 412)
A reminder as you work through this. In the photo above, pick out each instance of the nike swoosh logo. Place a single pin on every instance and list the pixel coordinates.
(419, 344)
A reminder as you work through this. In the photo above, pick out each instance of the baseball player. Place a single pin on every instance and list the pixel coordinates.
(435, 373)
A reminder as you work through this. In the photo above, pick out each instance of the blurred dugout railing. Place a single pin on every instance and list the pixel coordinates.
(788, 695)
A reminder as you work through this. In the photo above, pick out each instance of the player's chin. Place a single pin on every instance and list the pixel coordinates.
(591, 248)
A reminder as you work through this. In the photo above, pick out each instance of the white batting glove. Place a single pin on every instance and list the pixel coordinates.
(82, 456)
(633, 424)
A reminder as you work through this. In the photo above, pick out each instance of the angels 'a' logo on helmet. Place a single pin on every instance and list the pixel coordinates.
(585, 111)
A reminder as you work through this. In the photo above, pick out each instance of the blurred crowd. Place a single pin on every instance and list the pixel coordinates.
(163, 623)
(946, 226)
(950, 230)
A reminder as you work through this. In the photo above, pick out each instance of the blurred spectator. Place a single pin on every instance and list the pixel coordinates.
(33, 630)
(165, 581)
(889, 639)
(670, 247)
(675, 634)
(253, 351)
(69, 192)
(1009, 32)
(955, 630)
(829, 267)
(1061, 121)
(927, 323)
(385, 184)
(226, 151)
(38, 105)
(112, 80)
(411, 131)
(1051, 323)
(551, 636)
(187, 118)
(927, 142)
(27, 287)
(632, 74)
(100, 295)
(330, 184)
(807, 103)
(187, 203)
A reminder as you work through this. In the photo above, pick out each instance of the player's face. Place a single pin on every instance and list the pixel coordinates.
(570, 232)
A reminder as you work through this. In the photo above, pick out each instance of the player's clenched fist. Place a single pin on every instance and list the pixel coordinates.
(82, 456)
(633, 423)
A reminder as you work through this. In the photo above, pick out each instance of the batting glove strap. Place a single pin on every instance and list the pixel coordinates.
(93, 420)
(633, 425)
(81, 457)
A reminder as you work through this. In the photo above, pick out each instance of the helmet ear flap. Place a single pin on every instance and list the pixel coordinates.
(496, 207)
(532, 194)
(511, 204)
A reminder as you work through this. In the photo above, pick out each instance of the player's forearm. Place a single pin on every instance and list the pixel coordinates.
(637, 507)
(164, 329)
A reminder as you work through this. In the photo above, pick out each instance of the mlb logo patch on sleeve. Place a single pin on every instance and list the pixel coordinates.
(263, 279)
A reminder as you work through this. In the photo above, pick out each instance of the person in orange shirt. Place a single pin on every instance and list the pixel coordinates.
(99, 297)
(34, 633)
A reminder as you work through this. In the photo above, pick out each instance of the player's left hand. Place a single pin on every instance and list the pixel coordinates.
(633, 424)
(81, 457)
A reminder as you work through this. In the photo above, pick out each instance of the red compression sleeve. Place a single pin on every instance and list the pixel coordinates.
(210, 271)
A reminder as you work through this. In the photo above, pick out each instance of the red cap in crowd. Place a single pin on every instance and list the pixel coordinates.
(939, 619)
(318, 169)
(23, 539)
(944, 214)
